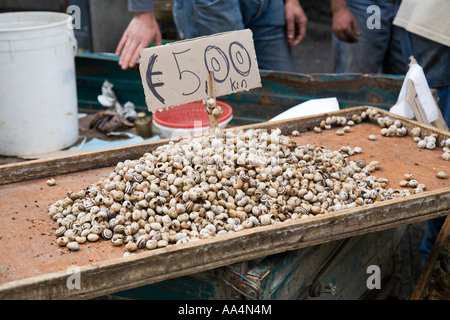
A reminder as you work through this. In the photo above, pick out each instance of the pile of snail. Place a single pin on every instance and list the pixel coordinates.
(203, 186)
(394, 127)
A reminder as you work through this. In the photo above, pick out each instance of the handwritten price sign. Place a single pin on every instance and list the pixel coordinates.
(178, 73)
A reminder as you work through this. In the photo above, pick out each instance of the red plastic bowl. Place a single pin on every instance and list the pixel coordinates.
(183, 116)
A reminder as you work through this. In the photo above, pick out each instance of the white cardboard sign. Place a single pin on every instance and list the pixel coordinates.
(178, 73)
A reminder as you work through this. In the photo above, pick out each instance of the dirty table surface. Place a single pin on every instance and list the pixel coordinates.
(28, 244)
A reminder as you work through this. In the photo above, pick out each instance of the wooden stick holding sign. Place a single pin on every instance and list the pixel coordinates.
(205, 67)
(214, 111)
(413, 100)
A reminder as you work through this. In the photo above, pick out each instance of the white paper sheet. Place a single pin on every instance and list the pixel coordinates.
(308, 108)
(402, 108)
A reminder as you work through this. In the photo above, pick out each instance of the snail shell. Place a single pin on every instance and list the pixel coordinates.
(107, 234)
(273, 192)
(151, 244)
(422, 144)
(403, 183)
(408, 176)
(60, 232)
(62, 241)
(131, 246)
(93, 237)
(134, 227)
(142, 241)
(361, 163)
(139, 168)
(118, 195)
(162, 243)
(119, 228)
(248, 223)
(96, 229)
(415, 132)
(81, 239)
(441, 175)
(117, 240)
(70, 234)
(413, 183)
(401, 132)
(85, 232)
(430, 145)
(315, 209)
(73, 246)
(265, 219)
(343, 195)
(308, 196)
(446, 155)
(155, 226)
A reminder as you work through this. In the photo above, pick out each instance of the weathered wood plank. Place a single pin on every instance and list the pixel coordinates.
(41, 168)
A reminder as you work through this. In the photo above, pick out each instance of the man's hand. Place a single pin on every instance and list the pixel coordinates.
(296, 21)
(344, 23)
(142, 30)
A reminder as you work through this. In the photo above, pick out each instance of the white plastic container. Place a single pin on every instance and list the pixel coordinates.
(169, 132)
(38, 98)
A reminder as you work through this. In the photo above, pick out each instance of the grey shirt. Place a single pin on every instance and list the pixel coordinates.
(140, 5)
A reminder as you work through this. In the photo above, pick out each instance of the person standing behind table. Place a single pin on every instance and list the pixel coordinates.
(277, 26)
(142, 30)
(426, 36)
(364, 39)
(425, 27)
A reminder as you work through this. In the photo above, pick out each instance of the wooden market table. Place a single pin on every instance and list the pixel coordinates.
(32, 266)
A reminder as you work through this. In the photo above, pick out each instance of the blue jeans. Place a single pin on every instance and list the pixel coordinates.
(266, 19)
(434, 58)
(377, 50)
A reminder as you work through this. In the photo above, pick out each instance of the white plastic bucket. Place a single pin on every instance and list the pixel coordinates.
(38, 97)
